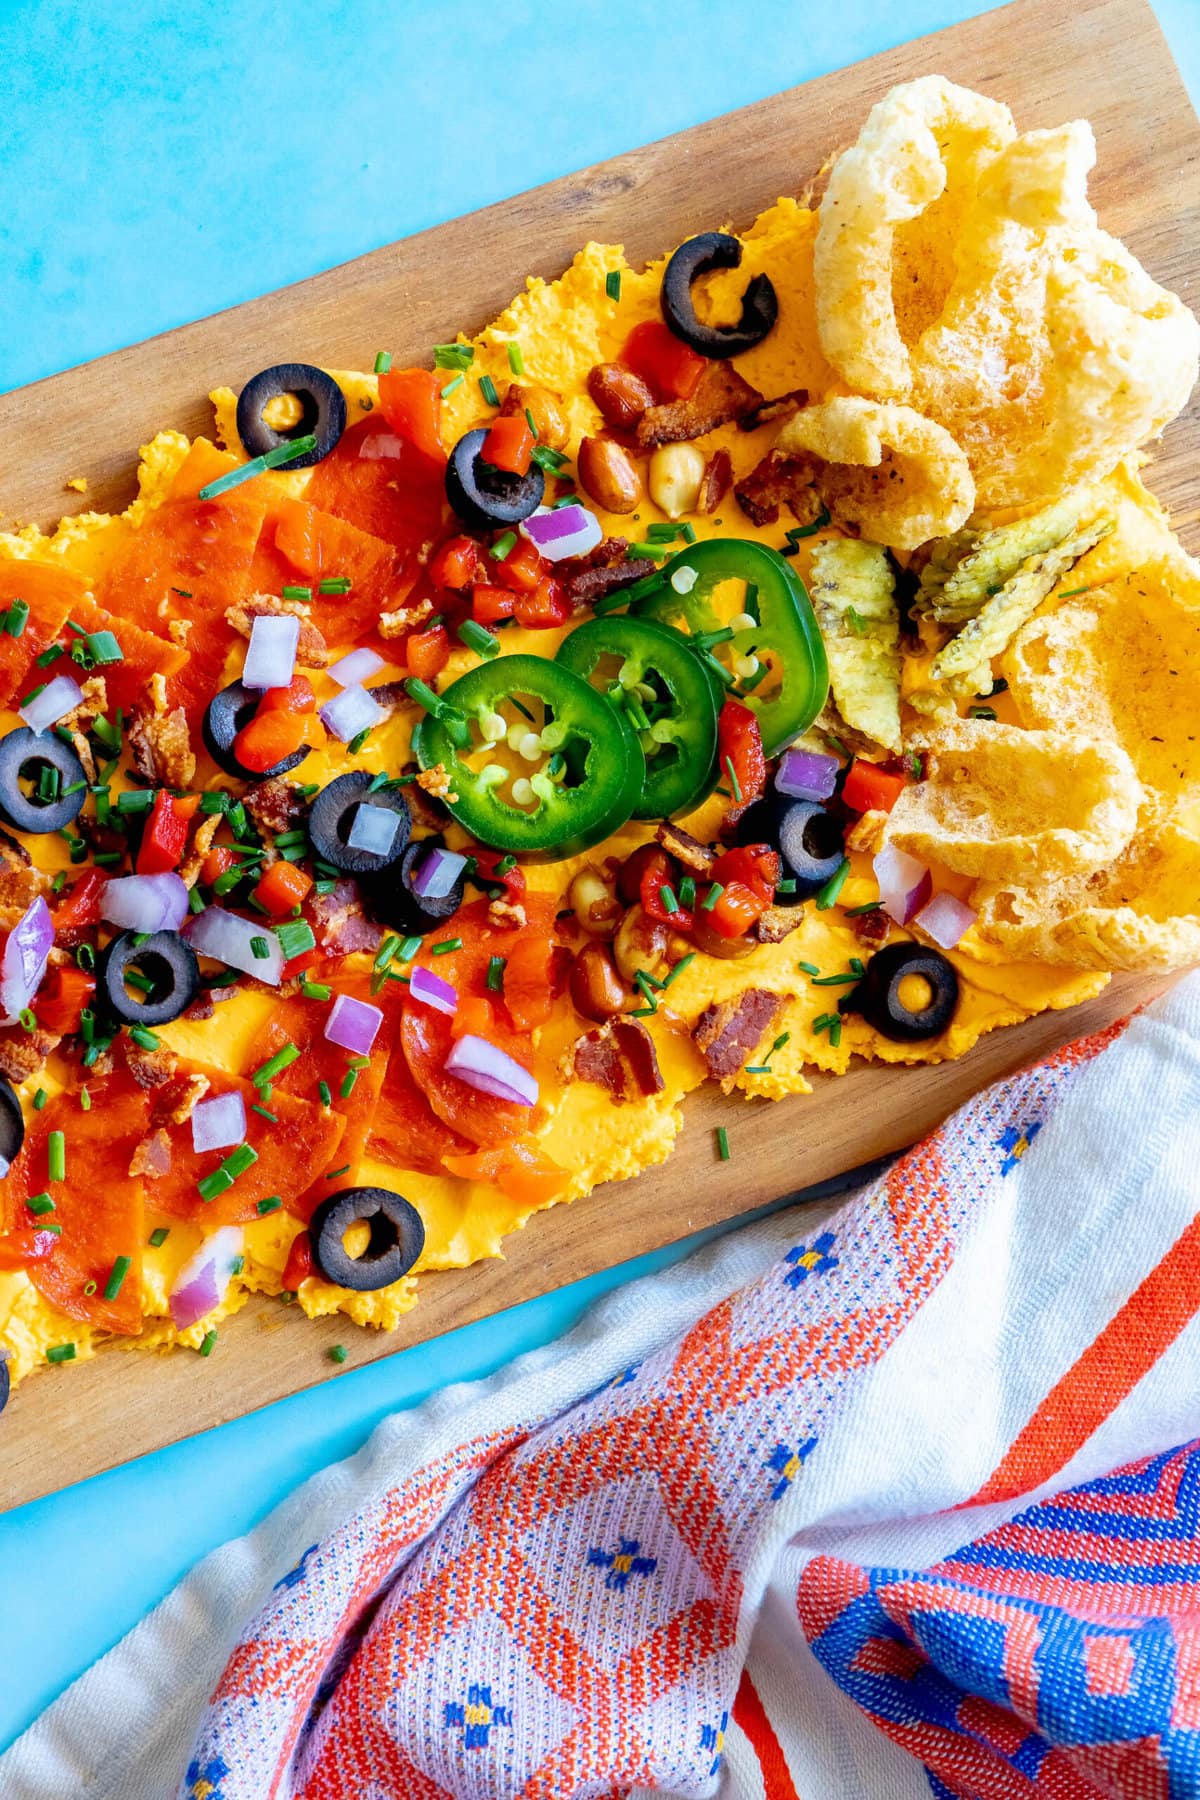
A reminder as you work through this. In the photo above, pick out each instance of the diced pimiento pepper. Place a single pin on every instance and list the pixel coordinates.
(283, 886)
(523, 568)
(458, 564)
(546, 609)
(284, 721)
(654, 886)
(868, 788)
(80, 904)
(487, 871)
(509, 445)
(62, 997)
(664, 362)
(412, 403)
(747, 877)
(426, 653)
(165, 837)
(740, 751)
(299, 1266)
(491, 604)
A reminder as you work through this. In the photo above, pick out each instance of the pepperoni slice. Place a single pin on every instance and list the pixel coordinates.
(406, 1133)
(100, 1206)
(303, 545)
(50, 594)
(142, 654)
(382, 484)
(427, 1039)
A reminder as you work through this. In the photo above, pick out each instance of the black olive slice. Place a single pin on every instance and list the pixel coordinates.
(164, 960)
(488, 498)
(396, 1241)
(877, 995)
(810, 847)
(393, 902)
(12, 1125)
(228, 712)
(332, 816)
(322, 410)
(700, 256)
(24, 754)
(5, 1381)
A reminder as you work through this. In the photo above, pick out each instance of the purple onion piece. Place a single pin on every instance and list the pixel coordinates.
(23, 963)
(220, 1122)
(437, 873)
(351, 711)
(904, 883)
(491, 1071)
(56, 700)
(228, 938)
(353, 1024)
(559, 532)
(145, 902)
(271, 655)
(945, 919)
(807, 774)
(356, 667)
(432, 991)
(203, 1282)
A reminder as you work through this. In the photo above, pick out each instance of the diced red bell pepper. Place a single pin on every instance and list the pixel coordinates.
(748, 876)
(491, 604)
(528, 989)
(219, 860)
(80, 904)
(426, 653)
(62, 997)
(509, 445)
(523, 568)
(165, 837)
(735, 910)
(662, 360)
(657, 874)
(487, 869)
(458, 564)
(868, 788)
(546, 609)
(299, 1265)
(740, 748)
(271, 736)
(283, 886)
(298, 697)
(412, 403)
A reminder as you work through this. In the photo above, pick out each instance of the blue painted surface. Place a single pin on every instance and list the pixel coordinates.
(157, 164)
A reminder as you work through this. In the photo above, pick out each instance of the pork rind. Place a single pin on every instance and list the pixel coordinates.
(1016, 805)
(1142, 913)
(884, 472)
(961, 268)
(893, 208)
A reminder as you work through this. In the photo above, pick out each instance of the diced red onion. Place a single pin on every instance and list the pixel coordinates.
(437, 873)
(271, 656)
(945, 920)
(355, 667)
(431, 990)
(219, 1122)
(227, 938)
(353, 1024)
(807, 774)
(203, 1282)
(904, 883)
(56, 700)
(350, 712)
(561, 531)
(492, 1071)
(145, 902)
(373, 828)
(23, 963)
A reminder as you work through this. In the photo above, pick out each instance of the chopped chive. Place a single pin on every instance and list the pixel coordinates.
(211, 1185)
(275, 1065)
(667, 895)
(550, 460)
(89, 1288)
(834, 980)
(505, 864)
(347, 1083)
(612, 284)
(1069, 593)
(283, 453)
(982, 712)
(56, 1156)
(735, 786)
(856, 965)
(531, 422)
(60, 1353)
(260, 948)
(335, 584)
(502, 546)
(495, 974)
(159, 1236)
(806, 531)
(239, 1160)
(409, 948)
(262, 1112)
(645, 548)
(40, 1099)
(209, 1339)
(827, 895)
(39, 1204)
(383, 361)
(195, 901)
(237, 1265)
(453, 356)
(680, 966)
(446, 945)
(105, 648)
(786, 887)
(107, 858)
(48, 656)
(478, 638)
(271, 1204)
(324, 1090)
(453, 386)
(85, 1100)
(868, 906)
(487, 388)
(28, 1018)
(316, 990)
(835, 1031)
(296, 591)
(146, 1040)
(16, 618)
(334, 1173)
(295, 937)
(60, 880)
(184, 593)
(225, 979)
(722, 1143)
(713, 895)
(516, 361)
(120, 1270)
(387, 950)
(338, 1353)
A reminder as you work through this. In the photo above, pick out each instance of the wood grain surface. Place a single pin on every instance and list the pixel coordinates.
(1050, 60)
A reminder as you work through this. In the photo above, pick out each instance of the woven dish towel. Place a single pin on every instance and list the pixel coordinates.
(896, 1500)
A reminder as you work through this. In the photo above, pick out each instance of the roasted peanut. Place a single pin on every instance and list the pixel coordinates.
(610, 475)
(621, 395)
(640, 943)
(676, 477)
(596, 989)
(546, 410)
(594, 902)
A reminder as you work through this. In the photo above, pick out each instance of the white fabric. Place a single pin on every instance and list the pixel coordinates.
(1116, 1178)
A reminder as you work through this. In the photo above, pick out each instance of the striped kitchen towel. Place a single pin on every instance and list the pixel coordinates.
(899, 1499)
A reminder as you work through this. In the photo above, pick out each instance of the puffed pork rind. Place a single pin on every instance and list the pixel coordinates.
(1016, 805)
(893, 208)
(884, 472)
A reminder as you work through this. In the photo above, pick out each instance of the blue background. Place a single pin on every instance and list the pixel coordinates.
(158, 163)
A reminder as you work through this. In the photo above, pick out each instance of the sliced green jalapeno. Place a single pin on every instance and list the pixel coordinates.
(664, 690)
(786, 631)
(586, 785)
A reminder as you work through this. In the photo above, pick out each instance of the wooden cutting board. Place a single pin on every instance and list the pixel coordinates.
(1050, 60)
